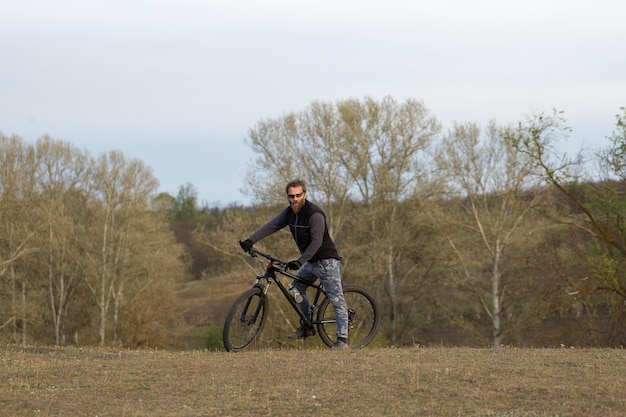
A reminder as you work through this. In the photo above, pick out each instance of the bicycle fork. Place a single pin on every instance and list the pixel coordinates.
(247, 318)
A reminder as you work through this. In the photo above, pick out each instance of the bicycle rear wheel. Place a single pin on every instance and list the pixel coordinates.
(245, 320)
(363, 317)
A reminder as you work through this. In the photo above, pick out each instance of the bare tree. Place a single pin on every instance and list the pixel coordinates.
(491, 183)
(121, 190)
(61, 170)
(18, 233)
(384, 150)
(301, 145)
(357, 155)
(67, 223)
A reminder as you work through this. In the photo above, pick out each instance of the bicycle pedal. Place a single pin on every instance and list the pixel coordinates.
(302, 333)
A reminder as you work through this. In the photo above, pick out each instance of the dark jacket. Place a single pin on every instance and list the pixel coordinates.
(308, 229)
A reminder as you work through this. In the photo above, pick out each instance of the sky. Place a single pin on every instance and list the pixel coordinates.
(179, 83)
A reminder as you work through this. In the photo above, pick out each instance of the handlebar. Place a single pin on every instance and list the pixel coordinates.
(254, 252)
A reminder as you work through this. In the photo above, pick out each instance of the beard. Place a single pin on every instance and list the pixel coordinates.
(296, 206)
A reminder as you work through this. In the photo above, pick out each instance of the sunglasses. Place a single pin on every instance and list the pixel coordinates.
(292, 196)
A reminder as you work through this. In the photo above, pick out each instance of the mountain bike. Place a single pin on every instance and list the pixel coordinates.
(248, 314)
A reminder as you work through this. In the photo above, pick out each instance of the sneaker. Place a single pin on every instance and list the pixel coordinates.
(302, 333)
(339, 345)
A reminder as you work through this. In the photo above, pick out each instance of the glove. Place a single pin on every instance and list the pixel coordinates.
(295, 265)
(246, 245)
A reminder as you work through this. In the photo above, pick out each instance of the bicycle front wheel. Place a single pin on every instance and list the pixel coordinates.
(363, 317)
(245, 320)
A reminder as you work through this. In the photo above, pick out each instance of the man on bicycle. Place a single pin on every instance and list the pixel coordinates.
(319, 257)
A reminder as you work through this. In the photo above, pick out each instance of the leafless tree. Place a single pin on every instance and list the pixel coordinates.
(492, 184)
(61, 170)
(301, 145)
(18, 233)
(119, 235)
(366, 159)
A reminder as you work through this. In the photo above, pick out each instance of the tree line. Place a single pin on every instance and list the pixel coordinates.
(484, 231)
(86, 253)
(484, 228)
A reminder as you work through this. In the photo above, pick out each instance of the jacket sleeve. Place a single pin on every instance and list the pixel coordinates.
(270, 227)
(317, 224)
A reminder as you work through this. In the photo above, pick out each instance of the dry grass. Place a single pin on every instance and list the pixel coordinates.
(370, 382)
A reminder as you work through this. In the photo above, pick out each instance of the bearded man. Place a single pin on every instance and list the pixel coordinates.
(319, 258)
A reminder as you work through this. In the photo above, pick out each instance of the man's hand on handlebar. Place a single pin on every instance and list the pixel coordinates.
(246, 245)
(295, 265)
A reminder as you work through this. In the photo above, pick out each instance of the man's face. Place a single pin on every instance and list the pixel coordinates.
(296, 198)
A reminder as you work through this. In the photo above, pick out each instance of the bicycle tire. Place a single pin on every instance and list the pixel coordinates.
(245, 320)
(363, 317)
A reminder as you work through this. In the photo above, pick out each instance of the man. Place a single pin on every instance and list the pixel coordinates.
(318, 256)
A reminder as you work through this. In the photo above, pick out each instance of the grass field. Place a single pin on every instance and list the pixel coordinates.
(370, 382)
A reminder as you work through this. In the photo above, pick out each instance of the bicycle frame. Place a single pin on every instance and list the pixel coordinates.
(270, 276)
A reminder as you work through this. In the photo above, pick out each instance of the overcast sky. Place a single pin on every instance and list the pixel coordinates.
(178, 83)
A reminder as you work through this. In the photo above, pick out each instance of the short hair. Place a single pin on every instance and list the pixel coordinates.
(295, 183)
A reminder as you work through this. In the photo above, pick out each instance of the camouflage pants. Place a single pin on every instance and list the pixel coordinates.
(327, 271)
